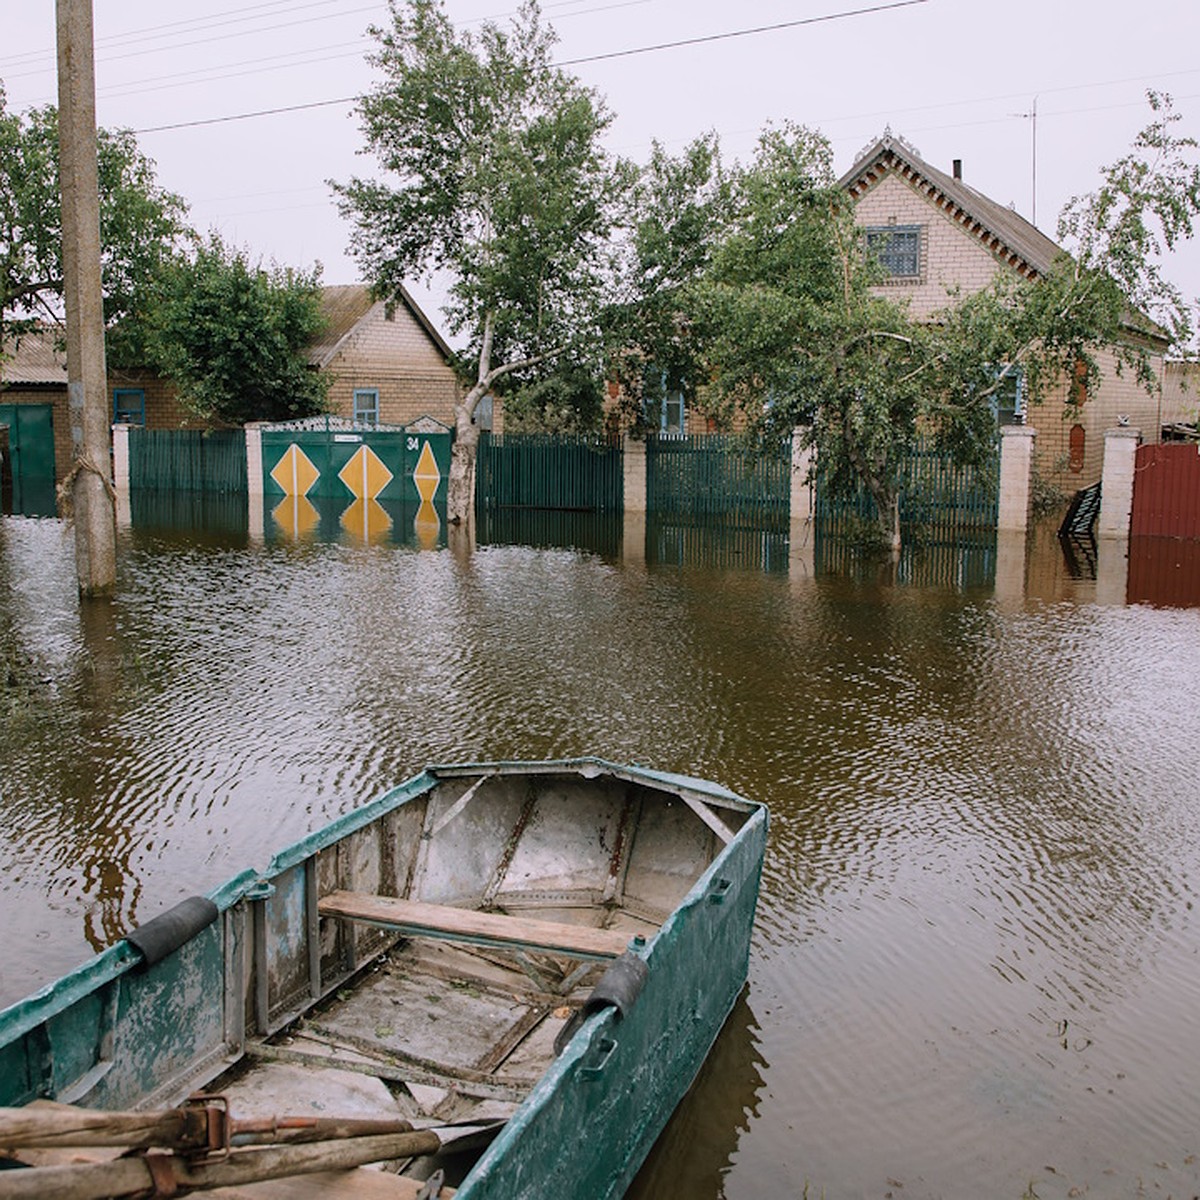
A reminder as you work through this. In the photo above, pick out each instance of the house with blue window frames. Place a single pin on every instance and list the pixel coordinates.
(934, 237)
(386, 364)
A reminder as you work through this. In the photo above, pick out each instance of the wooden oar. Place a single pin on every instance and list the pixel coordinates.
(48, 1125)
(174, 1174)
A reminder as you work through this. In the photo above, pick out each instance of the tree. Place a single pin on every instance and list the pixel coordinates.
(233, 335)
(497, 177)
(679, 212)
(142, 228)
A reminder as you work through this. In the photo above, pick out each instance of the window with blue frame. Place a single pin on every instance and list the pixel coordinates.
(665, 409)
(366, 406)
(896, 250)
(129, 406)
(1008, 401)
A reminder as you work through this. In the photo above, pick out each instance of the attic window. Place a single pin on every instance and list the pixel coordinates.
(896, 249)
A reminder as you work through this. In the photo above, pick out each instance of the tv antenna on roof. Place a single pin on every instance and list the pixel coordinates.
(1031, 117)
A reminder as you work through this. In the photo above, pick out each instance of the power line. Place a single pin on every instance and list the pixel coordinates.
(736, 33)
(712, 37)
(262, 112)
(212, 21)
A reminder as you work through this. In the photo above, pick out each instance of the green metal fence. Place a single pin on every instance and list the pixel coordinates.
(187, 460)
(938, 499)
(534, 470)
(706, 474)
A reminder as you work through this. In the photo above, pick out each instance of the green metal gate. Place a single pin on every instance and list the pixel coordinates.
(552, 471)
(31, 457)
(938, 498)
(708, 474)
(335, 459)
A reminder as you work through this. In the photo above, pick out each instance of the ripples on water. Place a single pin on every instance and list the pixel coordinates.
(976, 965)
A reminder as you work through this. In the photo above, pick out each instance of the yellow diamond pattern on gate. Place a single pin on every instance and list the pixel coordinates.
(426, 474)
(365, 475)
(295, 472)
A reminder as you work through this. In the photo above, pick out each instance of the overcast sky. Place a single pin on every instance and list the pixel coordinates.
(956, 78)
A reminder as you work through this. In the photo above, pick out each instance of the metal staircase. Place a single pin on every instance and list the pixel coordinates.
(1082, 513)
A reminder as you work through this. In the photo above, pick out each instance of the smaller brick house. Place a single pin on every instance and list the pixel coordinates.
(386, 364)
(935, 236)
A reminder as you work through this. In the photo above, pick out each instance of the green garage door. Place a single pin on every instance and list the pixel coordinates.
(31, 446)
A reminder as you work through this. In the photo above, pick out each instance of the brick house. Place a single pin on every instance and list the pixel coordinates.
(386, 364)
(934, 236)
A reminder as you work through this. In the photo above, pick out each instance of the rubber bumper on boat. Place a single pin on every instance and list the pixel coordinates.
(168, 931)
(618, 988)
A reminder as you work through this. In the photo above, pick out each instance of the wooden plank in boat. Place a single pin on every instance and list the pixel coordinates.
(416, 918)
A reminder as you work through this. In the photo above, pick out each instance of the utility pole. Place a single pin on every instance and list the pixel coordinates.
(88, 486)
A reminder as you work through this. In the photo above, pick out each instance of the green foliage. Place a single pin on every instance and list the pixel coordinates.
(495, 174)
(232, 336)
(142, 227)
(567, 400)
(679, 210)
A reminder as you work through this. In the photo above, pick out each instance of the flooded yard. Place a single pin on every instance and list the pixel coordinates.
(976, 970)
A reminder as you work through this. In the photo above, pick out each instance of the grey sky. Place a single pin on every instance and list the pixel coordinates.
(951, 76)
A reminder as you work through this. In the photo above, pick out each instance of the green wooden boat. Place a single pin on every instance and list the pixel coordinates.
(551, 946)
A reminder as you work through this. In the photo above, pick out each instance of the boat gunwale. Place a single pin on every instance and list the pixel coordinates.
(23, 1016)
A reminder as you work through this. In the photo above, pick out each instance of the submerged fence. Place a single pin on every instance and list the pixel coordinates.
(536, 470)
(938, 499)
(192, 460)
(705, 474)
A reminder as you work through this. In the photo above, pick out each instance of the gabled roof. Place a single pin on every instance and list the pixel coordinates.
(1002, 231)
(345, 306)
(36, 359)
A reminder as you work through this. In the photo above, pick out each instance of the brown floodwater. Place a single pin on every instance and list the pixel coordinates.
(976, 967)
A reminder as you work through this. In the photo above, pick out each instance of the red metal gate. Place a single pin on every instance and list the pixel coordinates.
(1166, 491)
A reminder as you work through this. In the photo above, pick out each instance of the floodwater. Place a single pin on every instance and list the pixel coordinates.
(976, 969)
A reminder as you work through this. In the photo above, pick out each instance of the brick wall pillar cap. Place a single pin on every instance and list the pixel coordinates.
(1015, 431)
(1123, 431)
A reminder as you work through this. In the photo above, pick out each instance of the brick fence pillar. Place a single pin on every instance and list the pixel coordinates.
(1116, 481)
(1016, 477)
(254, 459)
(803, 460)
(120, 445)
(634, 460)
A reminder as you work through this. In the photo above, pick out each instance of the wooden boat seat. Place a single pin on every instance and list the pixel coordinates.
(414, 918)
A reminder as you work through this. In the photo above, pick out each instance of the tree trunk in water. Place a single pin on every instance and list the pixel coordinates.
(895, 524)
(460, 494)
(887, 510)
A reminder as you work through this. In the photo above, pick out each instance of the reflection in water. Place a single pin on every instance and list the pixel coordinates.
(596, 532)
(1164, 571)
(967, 563)
(189, 513)
(679, 539)
(977, 961)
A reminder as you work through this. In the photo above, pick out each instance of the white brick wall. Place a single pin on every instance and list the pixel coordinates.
(951, 257)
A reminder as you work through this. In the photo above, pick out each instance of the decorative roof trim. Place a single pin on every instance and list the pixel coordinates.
(381, 306)
(884, 159)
